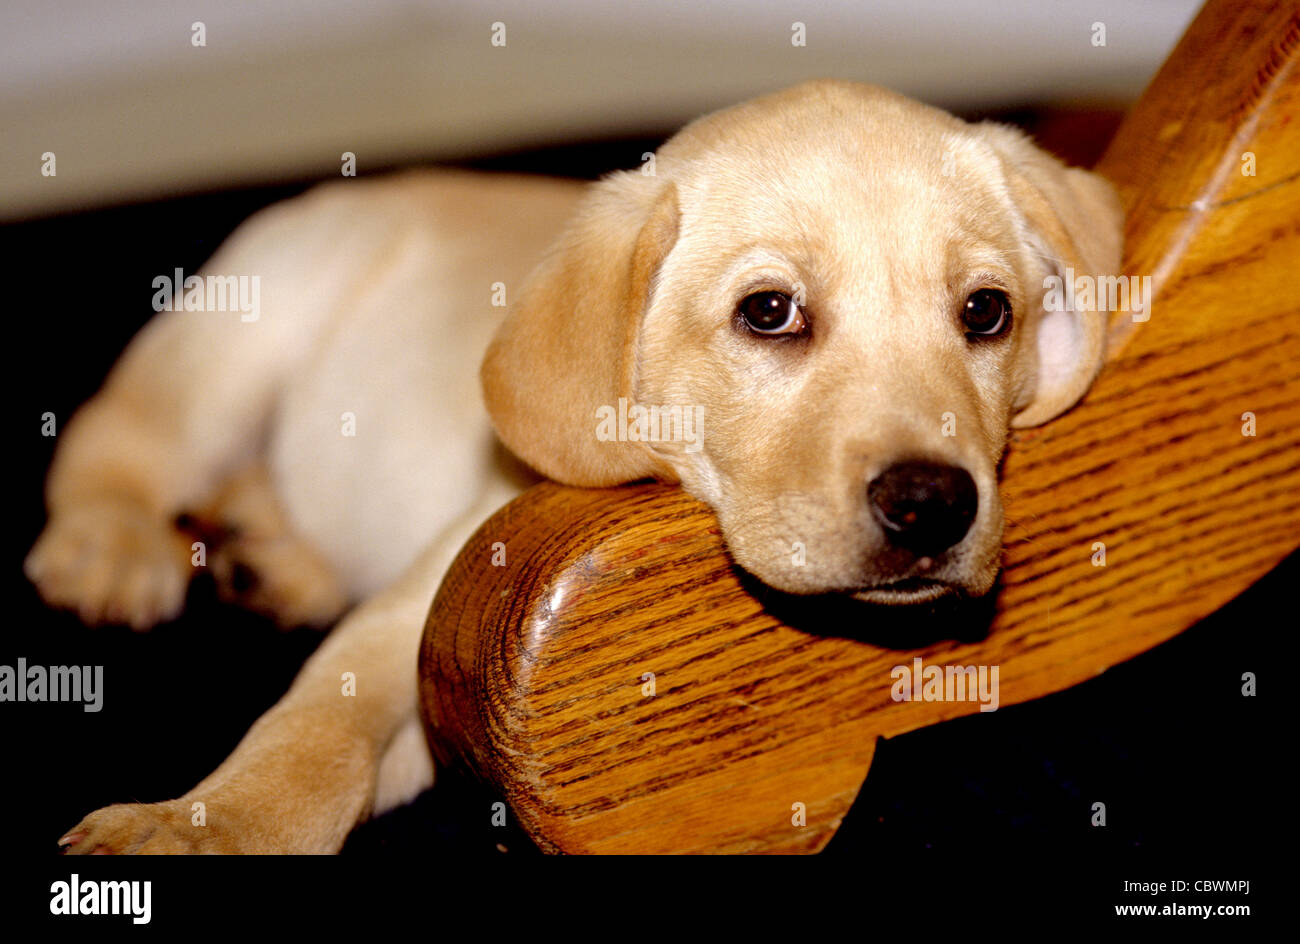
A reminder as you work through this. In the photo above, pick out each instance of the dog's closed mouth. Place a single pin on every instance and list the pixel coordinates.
(905, 590)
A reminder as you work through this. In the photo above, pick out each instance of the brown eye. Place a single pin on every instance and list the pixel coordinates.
(987, 313)
(771, 313)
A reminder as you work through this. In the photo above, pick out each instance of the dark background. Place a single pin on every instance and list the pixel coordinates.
(1180, 758)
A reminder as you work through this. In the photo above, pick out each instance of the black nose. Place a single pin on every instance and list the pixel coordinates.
(924, 507)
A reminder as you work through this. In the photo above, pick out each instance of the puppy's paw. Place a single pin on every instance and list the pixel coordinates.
(111, 562)
(281, 577)
(146, 829)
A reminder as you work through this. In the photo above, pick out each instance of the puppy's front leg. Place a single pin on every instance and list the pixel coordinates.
(343, 743)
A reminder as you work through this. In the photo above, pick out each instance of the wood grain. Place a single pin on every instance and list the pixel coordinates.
(533, 671)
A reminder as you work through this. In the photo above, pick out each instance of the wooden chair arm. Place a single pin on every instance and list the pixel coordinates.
(536, 675)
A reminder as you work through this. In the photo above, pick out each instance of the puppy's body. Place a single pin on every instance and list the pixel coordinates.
(376, 308)
(401, 354)
(343, 431)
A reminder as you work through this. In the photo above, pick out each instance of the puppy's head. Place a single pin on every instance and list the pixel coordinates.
(820, 314)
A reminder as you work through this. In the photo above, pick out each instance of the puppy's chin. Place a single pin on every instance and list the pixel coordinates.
(899, 614)
(901, 591)
(905, 592)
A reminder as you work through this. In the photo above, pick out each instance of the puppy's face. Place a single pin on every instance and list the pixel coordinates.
(842, 290)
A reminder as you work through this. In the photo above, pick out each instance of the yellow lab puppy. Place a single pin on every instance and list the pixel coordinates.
(820, 314)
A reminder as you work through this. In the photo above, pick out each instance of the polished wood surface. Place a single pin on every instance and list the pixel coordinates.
(534, 673)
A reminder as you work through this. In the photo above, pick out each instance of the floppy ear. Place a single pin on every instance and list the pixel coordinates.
(1076, 224)
(566, 347)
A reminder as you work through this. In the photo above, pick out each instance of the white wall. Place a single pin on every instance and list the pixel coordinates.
(132, 109)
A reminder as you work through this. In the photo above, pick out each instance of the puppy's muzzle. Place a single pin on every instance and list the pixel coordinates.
(924, 507)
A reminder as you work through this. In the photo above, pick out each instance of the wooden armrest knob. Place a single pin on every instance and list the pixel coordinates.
(618, 685)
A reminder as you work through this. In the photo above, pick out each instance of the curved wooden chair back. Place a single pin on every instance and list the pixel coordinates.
(628, 691)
